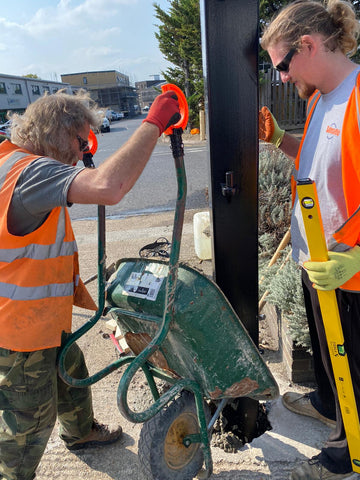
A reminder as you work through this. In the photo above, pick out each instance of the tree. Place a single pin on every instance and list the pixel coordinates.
(268, 8)
(32, 75)
(179, 38)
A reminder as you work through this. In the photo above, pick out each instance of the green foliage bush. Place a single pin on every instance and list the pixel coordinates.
(282, 280)
(274, 201)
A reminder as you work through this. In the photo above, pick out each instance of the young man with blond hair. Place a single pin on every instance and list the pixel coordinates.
(310, 45)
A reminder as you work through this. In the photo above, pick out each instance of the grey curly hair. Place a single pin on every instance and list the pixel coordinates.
(335, 20)
(50, 124)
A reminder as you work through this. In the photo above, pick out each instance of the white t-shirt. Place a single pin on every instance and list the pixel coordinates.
(320, 160)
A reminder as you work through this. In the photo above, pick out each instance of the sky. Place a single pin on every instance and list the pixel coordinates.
(53, 37)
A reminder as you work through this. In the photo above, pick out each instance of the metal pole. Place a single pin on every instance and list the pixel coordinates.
(230, 53)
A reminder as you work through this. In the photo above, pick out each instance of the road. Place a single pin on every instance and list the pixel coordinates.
(155, 191)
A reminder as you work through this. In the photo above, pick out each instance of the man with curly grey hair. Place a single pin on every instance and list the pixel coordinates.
(310, 45)
(39, 272)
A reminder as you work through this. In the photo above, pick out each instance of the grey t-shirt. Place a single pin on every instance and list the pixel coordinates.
(320, 160)
(42, 186)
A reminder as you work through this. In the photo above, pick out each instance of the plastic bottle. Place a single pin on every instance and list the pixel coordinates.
(202, 236)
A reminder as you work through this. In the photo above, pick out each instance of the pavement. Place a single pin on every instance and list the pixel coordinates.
(273, 455)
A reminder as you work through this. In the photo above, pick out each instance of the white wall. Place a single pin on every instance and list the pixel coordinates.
(17, 92)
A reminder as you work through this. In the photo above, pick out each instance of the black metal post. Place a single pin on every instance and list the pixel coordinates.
(230, 52)
(230, 47)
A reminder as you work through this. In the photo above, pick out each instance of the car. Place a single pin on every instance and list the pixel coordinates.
(105, 126)
(117, 115)
(114, 115)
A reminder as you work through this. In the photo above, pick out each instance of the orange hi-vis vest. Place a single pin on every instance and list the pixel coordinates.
(349, 232)
(39, 272)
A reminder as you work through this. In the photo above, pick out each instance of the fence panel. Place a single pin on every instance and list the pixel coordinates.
(283, 100)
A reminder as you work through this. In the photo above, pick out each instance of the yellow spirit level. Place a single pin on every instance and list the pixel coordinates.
(308, 199)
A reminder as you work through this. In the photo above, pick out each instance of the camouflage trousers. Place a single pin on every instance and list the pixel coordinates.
(31, 397)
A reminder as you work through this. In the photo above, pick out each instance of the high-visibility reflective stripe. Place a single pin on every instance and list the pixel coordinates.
(15, 157)
(59, 248)
(60, 232)
(313, 100)
(14, 292)
(38, 252)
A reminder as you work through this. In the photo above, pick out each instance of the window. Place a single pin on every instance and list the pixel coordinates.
(2, 87)
(35, 89)
(55, 90)
(46, 89)
(84, 80)
(17, 89)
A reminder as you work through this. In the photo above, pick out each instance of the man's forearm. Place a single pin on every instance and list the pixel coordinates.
(107, 184)
(125, 165)
(290, 146)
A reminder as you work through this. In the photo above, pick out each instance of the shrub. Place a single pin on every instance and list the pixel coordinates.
(283, 279)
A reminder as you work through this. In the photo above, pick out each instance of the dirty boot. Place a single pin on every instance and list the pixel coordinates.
(301, 404)
(99, 435)
(313, 470)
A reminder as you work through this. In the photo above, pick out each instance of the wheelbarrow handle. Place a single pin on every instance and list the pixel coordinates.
(183, 107)
(88, 162)
(178, 154)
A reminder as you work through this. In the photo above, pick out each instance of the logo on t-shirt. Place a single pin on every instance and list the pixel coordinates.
(331, 130)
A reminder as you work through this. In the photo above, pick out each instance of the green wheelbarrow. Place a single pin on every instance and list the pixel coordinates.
(181, 329)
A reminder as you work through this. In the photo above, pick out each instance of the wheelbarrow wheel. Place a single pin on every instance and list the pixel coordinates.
(162, 453)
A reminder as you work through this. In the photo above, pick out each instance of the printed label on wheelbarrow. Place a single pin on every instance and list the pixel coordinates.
(144, 284)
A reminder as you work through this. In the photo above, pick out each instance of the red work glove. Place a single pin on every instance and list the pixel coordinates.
(164, 111)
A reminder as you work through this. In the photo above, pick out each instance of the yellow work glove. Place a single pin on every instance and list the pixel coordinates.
(340, 267)
(269, 130)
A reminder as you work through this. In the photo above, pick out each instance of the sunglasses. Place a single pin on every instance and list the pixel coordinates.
(283, 66)
(83, 144)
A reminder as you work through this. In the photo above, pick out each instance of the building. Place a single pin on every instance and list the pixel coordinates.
(108, 88)
(147, 90)
(16, 93)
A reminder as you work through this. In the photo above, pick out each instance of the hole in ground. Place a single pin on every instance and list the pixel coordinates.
(240, 421)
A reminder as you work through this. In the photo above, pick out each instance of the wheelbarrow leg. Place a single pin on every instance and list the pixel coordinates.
(206, 473)
(205, 440)
(216, 415)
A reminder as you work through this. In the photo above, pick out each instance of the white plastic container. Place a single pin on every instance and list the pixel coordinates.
(202, 235)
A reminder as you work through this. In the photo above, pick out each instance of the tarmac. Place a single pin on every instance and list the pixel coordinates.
(273, 455)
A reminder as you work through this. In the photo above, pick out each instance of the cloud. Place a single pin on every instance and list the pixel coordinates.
(4, 23)
(70, 36)
(93, 52)
(136, 61)
(65, 16)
